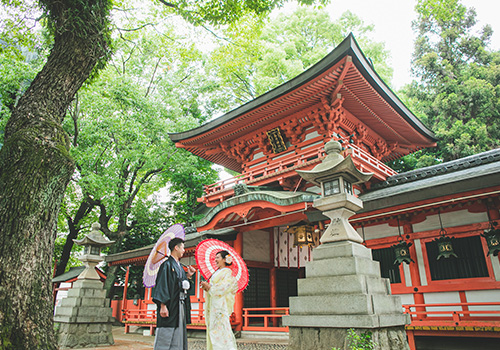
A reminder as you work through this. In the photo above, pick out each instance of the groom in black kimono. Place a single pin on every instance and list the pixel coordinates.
(171, 295)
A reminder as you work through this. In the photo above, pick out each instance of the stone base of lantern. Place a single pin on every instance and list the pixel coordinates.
(342, 290)
(84, 318)
(308, 338)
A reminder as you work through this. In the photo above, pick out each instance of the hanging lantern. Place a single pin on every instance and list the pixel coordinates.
(402, 249)
(492, 237)
(445, 247)
(302, 234)
(444, 243)
(402, 252)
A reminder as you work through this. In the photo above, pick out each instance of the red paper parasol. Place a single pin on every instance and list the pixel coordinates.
(160, 253)
(205, 259)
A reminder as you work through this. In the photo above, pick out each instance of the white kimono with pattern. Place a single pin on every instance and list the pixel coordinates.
(219, 306)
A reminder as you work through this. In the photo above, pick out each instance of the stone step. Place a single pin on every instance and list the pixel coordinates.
(346, 321)
(341, 249)
(342, 266)
(345, 304)
(342, 284)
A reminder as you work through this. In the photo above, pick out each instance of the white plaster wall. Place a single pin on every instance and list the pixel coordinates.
(406, 298)
(379, 231)
(420, 262)
(483, 296)
(441, 298)
(258, 155)
(407, 275)
(496, 267)
(311, 135)
(256, 246)
(456, 218)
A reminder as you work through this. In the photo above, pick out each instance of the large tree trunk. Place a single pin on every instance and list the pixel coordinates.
(35, 167)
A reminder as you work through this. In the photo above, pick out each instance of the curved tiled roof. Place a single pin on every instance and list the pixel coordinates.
(440, 169)
(365, 95)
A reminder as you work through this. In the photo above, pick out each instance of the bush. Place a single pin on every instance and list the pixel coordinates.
(362, 341)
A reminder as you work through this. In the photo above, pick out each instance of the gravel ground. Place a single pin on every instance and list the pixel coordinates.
(137, 341)
(242, 345)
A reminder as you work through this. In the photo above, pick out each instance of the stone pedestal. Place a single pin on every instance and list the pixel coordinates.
(342, 290)
(84, 318)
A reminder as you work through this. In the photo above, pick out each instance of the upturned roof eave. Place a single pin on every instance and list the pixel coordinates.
(348, 47)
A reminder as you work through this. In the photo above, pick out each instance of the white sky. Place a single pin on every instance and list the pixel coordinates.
(392, 20)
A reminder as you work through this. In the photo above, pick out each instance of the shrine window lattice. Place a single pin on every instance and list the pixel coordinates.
(469, 263)
(386, 257)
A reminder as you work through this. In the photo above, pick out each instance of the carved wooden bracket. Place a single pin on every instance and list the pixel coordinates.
(263, 143)
(359, 134)
(238, 151)
(381, 148)
(294, 131)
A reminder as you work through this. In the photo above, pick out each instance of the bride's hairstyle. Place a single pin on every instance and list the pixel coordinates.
(223, 255)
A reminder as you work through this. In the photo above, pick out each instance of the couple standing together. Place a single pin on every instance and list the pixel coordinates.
(171, 295)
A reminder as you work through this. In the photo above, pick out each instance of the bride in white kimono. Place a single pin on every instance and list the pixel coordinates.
(219, 304)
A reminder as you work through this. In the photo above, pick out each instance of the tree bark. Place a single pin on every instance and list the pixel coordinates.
(35, 167)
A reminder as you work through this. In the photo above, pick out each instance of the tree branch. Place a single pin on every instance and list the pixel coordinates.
(152, 77)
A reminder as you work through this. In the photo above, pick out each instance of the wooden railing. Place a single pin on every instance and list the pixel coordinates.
(455, 314)
(140, 318)
(368, 161)
(260, 173)
(147, 318)
(266, 319)
(452, 319)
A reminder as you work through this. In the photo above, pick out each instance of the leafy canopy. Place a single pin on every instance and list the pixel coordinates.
(259, 55)
(458, 93)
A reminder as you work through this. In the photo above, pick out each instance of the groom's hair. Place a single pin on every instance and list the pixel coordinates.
(174, 242)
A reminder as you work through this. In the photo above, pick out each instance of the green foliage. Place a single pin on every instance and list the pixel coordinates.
(187, 186)
(73, 259)
(218, 12)
(361, 341)
(16, 73)
(17, 19)
(262, 54)
(118, 127)
(458, 95)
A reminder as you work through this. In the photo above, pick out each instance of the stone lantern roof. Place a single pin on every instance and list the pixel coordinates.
(334, 164)
(95, 238)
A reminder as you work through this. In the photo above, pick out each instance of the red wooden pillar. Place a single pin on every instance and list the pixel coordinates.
(125, 287)
(493, 212)
(414, 272)
(238, 302)
(272, 277)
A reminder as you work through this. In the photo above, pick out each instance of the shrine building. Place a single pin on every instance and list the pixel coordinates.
(432, 229)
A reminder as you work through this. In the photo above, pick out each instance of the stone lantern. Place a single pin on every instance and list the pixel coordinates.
(84, 318)
(336, 176)
(343, 289)
(92, 245)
